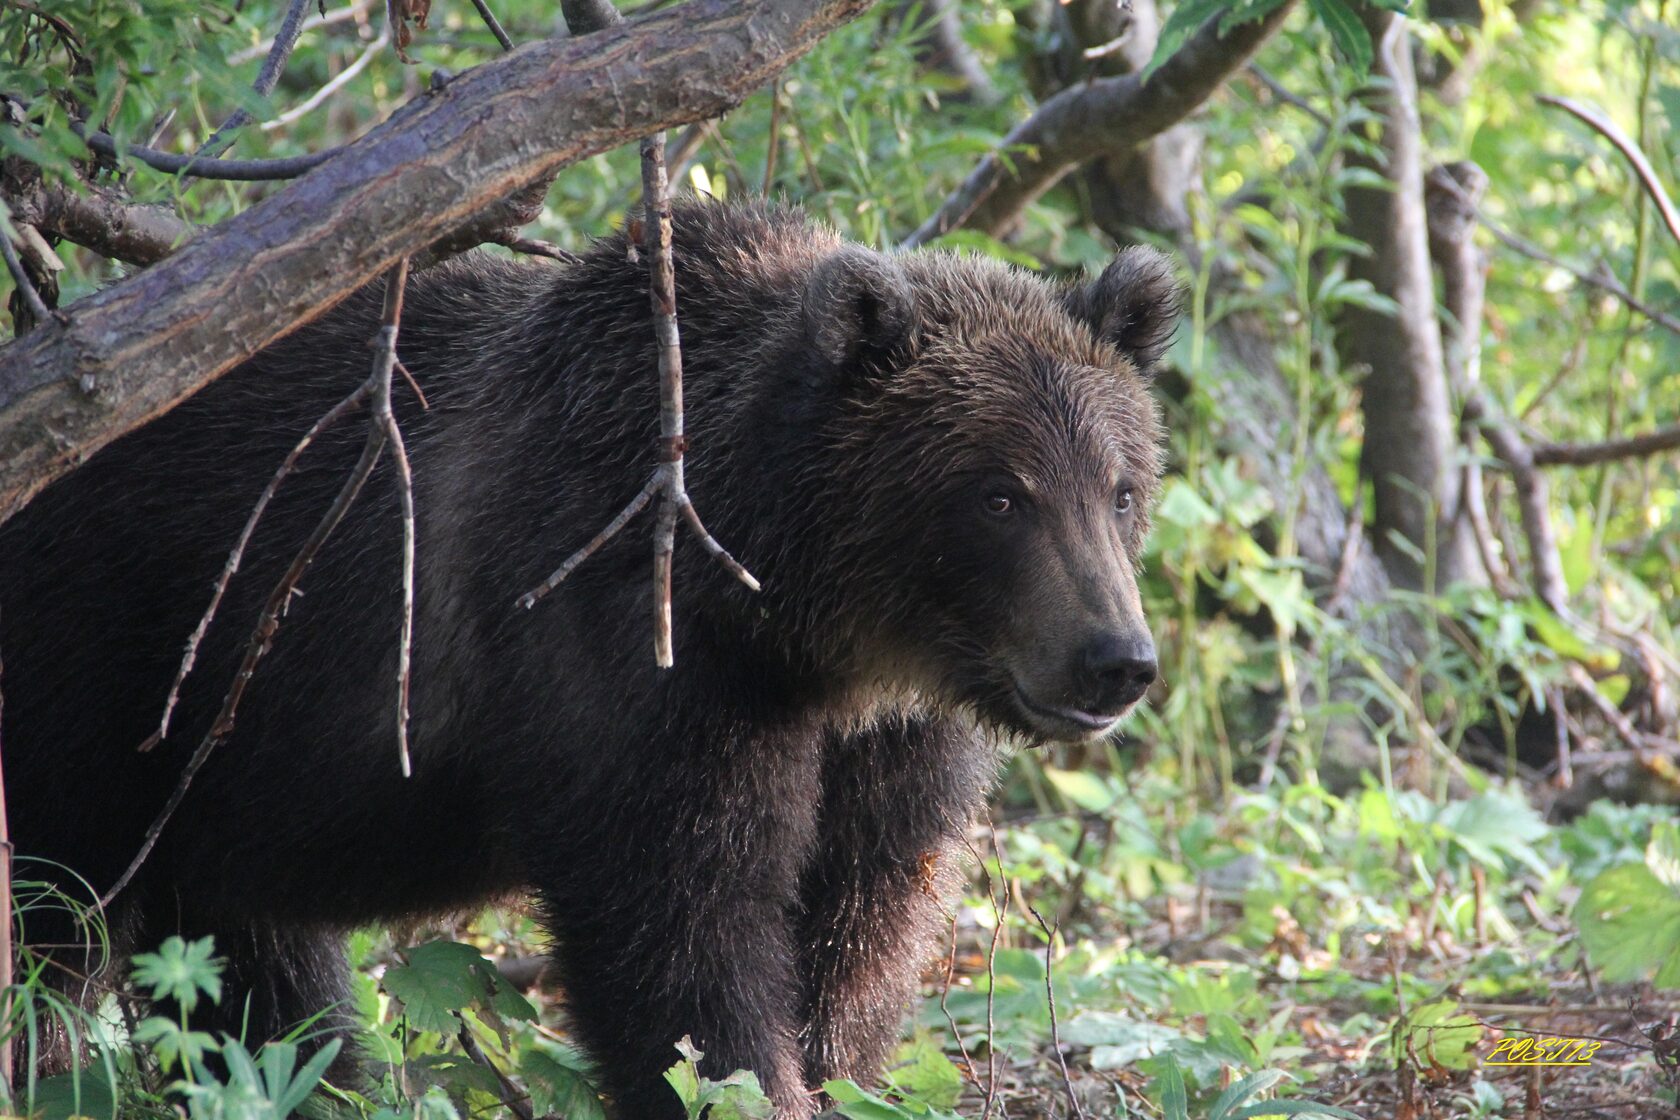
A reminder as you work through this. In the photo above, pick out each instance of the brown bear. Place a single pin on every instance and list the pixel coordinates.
(939, 467)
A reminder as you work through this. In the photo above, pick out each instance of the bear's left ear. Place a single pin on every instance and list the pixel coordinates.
(1134, 305)
(858, 305)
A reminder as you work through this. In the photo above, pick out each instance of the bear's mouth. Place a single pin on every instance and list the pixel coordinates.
(1060, 722)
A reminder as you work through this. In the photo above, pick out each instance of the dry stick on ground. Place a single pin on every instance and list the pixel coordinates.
(376, 388)
(583, 17)
(291, 26)
(1050, 994)
(1642, 168)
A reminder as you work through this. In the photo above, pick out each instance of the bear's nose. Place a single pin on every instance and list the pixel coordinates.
(1119, 668)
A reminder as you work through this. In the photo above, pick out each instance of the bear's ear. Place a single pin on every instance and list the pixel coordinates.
(1134, 305)
(858, 305)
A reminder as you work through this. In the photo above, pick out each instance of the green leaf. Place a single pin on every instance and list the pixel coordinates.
(1662, 855)
(1240, 1091)
(1175, 1101)
(443, 977)
(1436, 1033)
(180, 971)
(1083, 788)
(921, 1070)
(558, 1077)
(1347, 32)
(1186, 19)
(1630, 925)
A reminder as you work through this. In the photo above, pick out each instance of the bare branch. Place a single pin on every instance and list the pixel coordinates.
(1533, 500)
(636, 505)
(147, 343)
(291, 26)
(493, 24)
(384, 419)
(1642, 168)
(1075, 1108)
(95, 218)
(237, 555)
(261, 641)
(5, 940)
(1603, 280)
(25, 286)
(1589, 454)
(332, 86)
(1092, 119)
(234, 170)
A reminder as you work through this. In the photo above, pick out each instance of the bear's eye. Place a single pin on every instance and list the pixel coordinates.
(1123, 500)
(998, 504)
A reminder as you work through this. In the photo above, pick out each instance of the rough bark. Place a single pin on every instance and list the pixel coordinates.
(138, 348)
(1409, 424)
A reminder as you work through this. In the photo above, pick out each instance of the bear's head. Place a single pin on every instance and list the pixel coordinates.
(1002, 451)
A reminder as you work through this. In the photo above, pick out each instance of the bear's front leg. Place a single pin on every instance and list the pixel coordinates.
(671, 897)
(896, 799)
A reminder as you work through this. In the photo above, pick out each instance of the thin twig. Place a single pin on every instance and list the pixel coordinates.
(999, 898)
(338, 82)
(5, 944)
(1283, 93)
(1050, 994)
(235, 170)
(951, 1020)
(667, 482)
(774, 144)
(385, 359)
(25, 287)
(1625, 447)
(1642, 168)
(517, 1100)
(381, 431)
(337, 15)
(636, 505)
(493, 24)
(235, 557)
(291, 26)
(261, 641)
(532, 247)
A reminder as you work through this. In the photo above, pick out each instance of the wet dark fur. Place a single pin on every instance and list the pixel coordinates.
(746, 848)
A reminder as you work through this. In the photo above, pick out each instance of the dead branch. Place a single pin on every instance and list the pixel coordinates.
(1077, 1110)
(385, 359)
(1626, 447)
(667, 483)
(203, 167)
(1533, 500)
(1642, 168)
(291, 26)
(5, 937)
(337, 82)
(237, 555)
(1603, 280)
(513, 1097)
(381, 430)
(147, 343)
(493, 24)
(25, 286)
(261, 641)
(94, 217)
(1091, 119)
